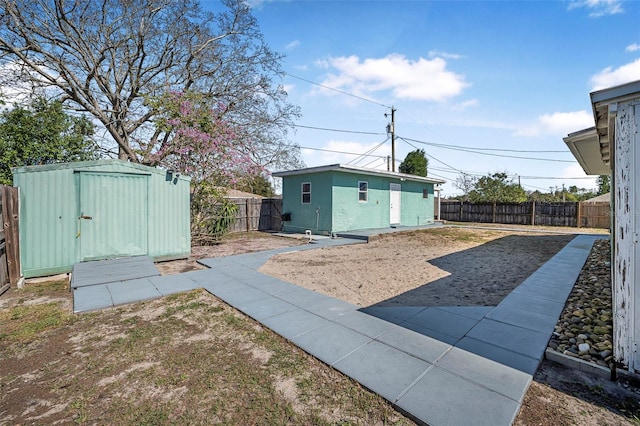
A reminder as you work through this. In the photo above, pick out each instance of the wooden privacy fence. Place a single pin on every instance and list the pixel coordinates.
(582, 214)
(9, 238)
(257, 214)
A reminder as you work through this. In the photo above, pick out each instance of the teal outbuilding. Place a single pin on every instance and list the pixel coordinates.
(92, 210)
(340, 198)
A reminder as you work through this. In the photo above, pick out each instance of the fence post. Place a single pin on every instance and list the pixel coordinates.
(579, 220)
(533, 213)
(12, 236)
(246, 209)
(493, 212)
(460, 211)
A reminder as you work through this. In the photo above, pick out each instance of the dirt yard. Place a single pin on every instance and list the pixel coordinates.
(439, 267)
(192, 359)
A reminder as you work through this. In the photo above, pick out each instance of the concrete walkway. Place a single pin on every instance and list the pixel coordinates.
(440, 366)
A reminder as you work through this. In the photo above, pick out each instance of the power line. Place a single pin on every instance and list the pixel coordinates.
(356, 160)
(339, 130)
(338, 90)
(491, 155)
(341, 152)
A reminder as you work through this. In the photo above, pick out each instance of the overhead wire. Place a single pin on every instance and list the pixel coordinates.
(490, 154)
(356, 160)
(338, 90)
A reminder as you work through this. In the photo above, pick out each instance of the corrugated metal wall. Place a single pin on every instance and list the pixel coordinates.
(129, 203)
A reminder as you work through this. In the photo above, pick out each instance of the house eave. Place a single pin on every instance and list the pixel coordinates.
(359, 170)
(586, 148)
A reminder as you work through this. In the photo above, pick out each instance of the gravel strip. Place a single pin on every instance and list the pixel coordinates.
(585, 326)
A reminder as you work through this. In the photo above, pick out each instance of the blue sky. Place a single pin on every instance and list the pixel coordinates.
(486, 75)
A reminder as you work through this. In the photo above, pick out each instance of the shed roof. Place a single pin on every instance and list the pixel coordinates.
(85, 165)
(358, 170)
(592, 147)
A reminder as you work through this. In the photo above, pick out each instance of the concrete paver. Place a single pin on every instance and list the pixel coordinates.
(439, 365)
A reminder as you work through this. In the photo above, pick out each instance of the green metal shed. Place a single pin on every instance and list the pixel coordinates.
(91, 210)
(340, 198)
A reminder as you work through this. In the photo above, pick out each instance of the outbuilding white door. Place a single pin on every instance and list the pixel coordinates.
(394, 203)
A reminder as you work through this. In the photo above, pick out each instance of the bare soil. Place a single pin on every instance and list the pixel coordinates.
(191, 359)
(437, 267)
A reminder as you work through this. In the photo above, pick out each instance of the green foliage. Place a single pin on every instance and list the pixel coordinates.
(415, 163)
(211, 215)
(257, 184)
(604, 184)
(42, 134)
(497, 189)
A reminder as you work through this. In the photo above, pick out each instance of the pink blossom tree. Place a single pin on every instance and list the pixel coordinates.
(193, 138)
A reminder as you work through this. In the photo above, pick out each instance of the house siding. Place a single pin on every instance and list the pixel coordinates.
(315, 216)
(625, 286)
(335, 206)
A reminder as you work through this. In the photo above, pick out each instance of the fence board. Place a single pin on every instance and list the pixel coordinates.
(10, 240)
(572, 214)
(257, 214)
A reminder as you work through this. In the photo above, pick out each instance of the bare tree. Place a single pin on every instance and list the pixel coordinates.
(108, 58)
(466, 183)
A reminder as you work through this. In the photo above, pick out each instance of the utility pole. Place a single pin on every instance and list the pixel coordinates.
(391, 128)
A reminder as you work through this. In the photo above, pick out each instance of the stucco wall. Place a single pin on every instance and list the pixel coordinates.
(315, 216)
(335, 205)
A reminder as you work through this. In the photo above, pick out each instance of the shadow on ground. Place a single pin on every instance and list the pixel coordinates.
(483, 275)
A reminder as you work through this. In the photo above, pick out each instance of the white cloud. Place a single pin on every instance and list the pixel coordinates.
(610, 77)
(632, 47)
(575, 171)
(288, 87)
(319, 158)
(417, 80)
(464, 105)
(558, 123)
(598, 8)
(292, 45)
(445, 55)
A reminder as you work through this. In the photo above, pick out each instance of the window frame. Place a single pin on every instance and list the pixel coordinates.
(303, 193)
(361, 192)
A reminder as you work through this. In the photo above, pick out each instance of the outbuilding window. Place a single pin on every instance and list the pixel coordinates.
(363, 191)
(425, 193)
(306, 193)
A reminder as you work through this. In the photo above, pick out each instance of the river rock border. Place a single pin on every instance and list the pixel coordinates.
(584, 329)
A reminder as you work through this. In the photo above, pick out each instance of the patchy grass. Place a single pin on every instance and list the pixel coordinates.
(185, 359)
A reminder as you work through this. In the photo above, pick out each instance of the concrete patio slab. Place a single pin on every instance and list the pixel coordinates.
(294, 323)
(365, 324)
(415, 344)
(516, 339)
(394, 314)
(171, 284)
(112, 270)
(331, 308)
(330, 342)
(509, 382)
(132, 291)
(514, 315)
(500, 355)
(303, 297)
(475, 312)
(91, 298)
(264, 308)
(443, 398)
(442, 321)
(383, 369)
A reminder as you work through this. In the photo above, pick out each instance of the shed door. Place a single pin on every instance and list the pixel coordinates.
(113, 215)
(394, 203)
